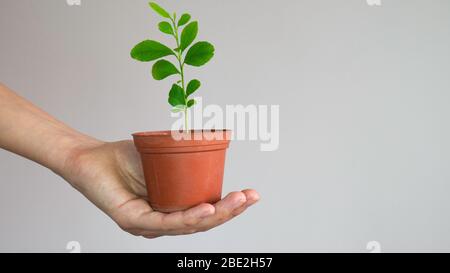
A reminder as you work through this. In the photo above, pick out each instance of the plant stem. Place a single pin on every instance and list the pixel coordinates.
(181, 66)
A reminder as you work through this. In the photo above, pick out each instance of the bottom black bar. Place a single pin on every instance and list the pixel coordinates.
(224, 262)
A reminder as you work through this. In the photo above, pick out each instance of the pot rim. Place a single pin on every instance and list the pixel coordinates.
(168, 133)
(180, 141)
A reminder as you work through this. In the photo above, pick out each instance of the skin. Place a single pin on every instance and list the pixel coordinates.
(109, 174)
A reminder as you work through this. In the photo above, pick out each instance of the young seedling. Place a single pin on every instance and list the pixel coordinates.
(196, 55)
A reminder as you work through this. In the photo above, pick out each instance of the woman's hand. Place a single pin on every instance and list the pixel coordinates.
(110, 176)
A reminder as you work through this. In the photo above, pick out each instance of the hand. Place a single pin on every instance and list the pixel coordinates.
(110, 175)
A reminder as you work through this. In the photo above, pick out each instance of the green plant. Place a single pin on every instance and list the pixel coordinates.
(196, 55)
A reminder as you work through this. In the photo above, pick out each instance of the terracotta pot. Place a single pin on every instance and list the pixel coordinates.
(180, 174)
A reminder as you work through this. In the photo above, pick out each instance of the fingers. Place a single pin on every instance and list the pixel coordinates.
(183, 221)
(225, 208)
(173, 223)
(252, 197)
(152, 224)
(193, 216)
(232, 205)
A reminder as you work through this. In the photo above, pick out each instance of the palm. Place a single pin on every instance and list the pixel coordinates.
(129, 164)
(111, 177)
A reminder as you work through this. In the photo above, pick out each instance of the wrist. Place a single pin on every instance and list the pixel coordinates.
(73, 148)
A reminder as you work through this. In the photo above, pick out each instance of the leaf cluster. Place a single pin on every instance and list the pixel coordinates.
(184, 31)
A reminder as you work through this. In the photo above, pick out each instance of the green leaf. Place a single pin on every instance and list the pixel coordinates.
(158, 9)
(184, 19)
(199, 54)
(188, 35)
(192, 87)
(149, 50)
(178, 108)
(166, 28)
(191, 103)
(163, 69)
(176, 96)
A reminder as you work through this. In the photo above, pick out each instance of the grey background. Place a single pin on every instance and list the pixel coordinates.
(363, 94)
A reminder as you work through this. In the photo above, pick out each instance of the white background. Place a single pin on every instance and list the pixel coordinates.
(364, 104)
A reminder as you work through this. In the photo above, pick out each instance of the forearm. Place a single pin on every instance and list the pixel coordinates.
(32, 133)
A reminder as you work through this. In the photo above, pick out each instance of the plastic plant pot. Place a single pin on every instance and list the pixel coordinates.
(182, 173)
